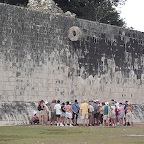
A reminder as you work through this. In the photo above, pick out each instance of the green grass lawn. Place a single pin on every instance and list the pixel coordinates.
(71, 135)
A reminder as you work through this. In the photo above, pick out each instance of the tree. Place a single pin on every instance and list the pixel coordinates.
(15, 2)
(103, 11)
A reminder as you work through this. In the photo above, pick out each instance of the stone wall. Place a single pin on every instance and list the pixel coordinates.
(16, 113)
(39, 61)
(20, 113)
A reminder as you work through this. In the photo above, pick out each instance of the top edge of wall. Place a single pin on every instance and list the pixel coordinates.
(83, 20)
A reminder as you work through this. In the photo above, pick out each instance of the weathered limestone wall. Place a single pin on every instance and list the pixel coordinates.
(20, 113)
(138, 113)
(38, 61)
(16, 113)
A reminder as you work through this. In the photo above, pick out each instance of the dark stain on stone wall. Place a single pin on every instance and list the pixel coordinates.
(92, 51)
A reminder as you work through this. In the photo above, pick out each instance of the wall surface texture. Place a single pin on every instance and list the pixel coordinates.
(39, 61)
(20, 113)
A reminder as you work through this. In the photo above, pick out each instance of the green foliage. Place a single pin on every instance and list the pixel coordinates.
(15, 2)
(103, 11)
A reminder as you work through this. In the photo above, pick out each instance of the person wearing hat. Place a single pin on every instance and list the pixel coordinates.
(96, 113)
(47, 112)
(113, 113)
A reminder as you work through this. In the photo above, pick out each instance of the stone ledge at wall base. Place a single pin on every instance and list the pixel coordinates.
(20, 113)
(16, 113)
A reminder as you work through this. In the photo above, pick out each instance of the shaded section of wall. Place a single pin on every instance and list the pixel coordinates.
(138, 113)
(16, 113)
(39, 61)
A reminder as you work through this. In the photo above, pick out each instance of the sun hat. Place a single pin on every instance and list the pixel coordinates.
(46, 102)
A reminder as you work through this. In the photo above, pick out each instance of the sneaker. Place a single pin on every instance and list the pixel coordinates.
(57, 124)
(66, 125)
(71, 125)
(61, 124)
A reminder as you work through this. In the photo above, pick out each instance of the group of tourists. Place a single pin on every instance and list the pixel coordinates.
(106, 114)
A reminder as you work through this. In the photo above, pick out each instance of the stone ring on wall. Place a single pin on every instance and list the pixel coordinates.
(74, 33)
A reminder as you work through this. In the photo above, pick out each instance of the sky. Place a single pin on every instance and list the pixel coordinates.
(133, 14)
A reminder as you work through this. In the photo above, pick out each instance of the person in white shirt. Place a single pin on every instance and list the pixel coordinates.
(57, 107)
(113, 113)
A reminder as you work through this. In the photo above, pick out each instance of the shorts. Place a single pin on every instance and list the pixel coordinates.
(96, 115)
(90, 115)
(42, 113)
(58, 115)
(63, 114)
(121, 115)
(113, 115)
(84, 116)
(106, 117)
(69, 115)
(53, 116)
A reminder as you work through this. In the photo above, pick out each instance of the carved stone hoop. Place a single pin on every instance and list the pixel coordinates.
(74, 33)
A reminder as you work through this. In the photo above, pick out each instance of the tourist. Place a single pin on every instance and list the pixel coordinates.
(113, 113)
(63, 115)
(129, 115)
(121, 113)
(35, 118)
(102, 112)
(69, 111)
(75, 108)
(84, 108)
(125, 106)
(57, 107)
(106, 115)
(96, 113)
(53, 112)
(46, 116)
(90, 113)
(41, 109)
(116, 111)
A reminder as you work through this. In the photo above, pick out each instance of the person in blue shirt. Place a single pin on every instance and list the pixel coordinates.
(75, 108)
